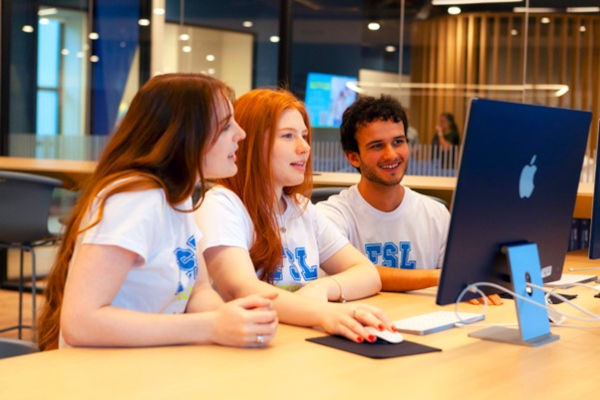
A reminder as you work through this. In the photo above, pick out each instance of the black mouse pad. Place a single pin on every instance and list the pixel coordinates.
(378, 349)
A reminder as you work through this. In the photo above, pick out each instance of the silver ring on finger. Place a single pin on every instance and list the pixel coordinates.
(260, 339)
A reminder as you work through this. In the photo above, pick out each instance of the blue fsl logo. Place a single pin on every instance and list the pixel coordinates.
(389, 254)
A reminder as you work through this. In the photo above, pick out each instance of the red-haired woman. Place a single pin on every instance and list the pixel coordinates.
(128, 272)
(261, 230)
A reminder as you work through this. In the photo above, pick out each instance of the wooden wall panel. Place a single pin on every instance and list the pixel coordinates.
(471, 50)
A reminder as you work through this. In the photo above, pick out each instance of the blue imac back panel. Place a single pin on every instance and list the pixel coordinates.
(517, 183)
(594, 251)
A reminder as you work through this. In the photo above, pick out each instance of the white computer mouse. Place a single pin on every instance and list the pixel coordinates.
(388, 336)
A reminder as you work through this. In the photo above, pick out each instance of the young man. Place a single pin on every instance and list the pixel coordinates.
(401, 231)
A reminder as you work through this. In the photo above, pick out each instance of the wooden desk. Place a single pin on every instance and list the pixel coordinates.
(292, 368)
(443, 187)
(72, 173)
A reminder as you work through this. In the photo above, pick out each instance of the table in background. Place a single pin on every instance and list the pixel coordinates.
(292, 368)
(74, 174)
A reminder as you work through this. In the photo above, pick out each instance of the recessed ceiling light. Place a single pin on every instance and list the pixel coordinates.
(390, 48)
(210, 57)
(211, 71)
(94, 59)
(144, 22)
(374, 26)
(514, 32)
(184, 36)
(64, 52)
(247, 24)
(27, 28)
(93, 36)
(454, 10)
(44, 21)
(545, 20)
(159, 11)
(186, 49)
(274, 39)
(582, 28)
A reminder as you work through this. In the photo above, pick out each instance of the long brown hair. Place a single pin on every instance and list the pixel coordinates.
(170, 124)
(258, 112)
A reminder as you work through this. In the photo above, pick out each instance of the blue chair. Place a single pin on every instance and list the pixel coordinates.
(24, 207)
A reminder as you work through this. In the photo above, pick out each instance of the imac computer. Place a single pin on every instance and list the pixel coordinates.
(513, 204)
(594, 251)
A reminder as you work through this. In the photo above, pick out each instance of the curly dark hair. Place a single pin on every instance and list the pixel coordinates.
(365, 110)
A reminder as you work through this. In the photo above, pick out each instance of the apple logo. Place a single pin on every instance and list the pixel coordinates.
(526, 185)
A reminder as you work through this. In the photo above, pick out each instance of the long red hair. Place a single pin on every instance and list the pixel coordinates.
(170, 124)
(258, 113)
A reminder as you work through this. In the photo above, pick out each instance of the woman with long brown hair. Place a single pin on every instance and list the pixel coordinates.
(262, 231)
(127, 272)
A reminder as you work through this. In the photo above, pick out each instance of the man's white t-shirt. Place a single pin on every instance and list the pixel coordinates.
(413, 236)
(308, 238)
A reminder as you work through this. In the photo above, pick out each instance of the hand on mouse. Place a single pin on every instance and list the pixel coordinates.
(350, 319)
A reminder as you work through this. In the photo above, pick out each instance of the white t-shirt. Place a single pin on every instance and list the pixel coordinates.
(413, 236)
(307, 237)
(165, 241)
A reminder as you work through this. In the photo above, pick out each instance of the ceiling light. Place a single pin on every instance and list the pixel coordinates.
(210, 57)
(532, 10)
(274, 39)
(27, 28)
(94, 59)
(93, 36)
(514, 32)
(47, 11)
(184, 36)
(556, 90)
(211, 71)
(64, 52)
(453, 2)
(454, 10)
(144, 22)
(186, 49)
(44, 21)
(390, 49)
(80, 54)
(583, 9)
(247, 24)
(545, 20)
(582, 28)
(374, 26)
(159, 11)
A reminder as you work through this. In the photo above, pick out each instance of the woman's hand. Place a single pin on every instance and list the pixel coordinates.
(350, 320)
(246, 322)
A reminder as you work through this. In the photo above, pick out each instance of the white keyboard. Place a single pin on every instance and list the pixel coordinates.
(434, 322)
(567, 280)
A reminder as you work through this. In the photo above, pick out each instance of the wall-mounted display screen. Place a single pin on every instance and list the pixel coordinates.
(327, 96)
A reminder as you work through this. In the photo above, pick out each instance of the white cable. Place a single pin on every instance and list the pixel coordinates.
(594, 317)
(475, 289)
